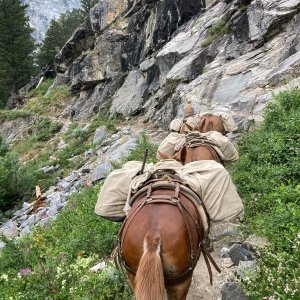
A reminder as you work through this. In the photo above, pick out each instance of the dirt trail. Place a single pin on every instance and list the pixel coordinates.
(201, 288)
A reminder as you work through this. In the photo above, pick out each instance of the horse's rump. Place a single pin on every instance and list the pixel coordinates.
(203, 124)
(197, 147)
(211, 123)
(177, 228)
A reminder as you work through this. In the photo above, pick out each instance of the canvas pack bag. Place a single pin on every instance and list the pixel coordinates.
(213, 184)
(208, 179)
(166, 148)
(113, 194)
(175, 141)
(227, 120)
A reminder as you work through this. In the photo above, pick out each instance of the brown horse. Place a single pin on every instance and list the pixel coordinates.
(210, 122)
(161, 240)
(163, 236)
(196, 148)
(207, 122)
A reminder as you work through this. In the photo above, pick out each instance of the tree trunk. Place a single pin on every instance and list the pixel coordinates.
(14, 89)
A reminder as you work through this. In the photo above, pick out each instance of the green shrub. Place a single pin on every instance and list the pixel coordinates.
(9, 187)
(42, 89)
(219, 29)
(8, 115)
(41, 104)
(267, 177)
(45, 129)
(54, 262)
(18, 181)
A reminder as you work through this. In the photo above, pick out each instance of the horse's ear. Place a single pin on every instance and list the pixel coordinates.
(189, 110)
(201, 124)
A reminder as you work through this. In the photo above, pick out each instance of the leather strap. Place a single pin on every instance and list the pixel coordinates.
(184, 211)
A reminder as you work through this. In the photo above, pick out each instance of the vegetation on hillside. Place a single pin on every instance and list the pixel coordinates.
(268, 179)
(54, 261)
(59, 31)
(16, 48)
(218, 29)
(21, 162)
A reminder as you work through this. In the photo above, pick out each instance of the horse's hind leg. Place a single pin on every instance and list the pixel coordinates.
(180, 290)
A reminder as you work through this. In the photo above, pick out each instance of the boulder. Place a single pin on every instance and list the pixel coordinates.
(9, 230)
(232, 291)
(101, 171)
(238, 253)
(99, 135)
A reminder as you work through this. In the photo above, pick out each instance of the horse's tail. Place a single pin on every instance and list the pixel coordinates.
(149, 279)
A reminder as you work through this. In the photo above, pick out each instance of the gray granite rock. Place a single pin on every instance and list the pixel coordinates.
(21, 212)
(29, 222)
(245, 268)
(232, 291)
(238, 253)
(9, 230)
(101, 171)
(25, 230)
(120, 150)
(52, 211)
(47, 169)
(130, 97)
(99, 135)
(254, 243)
(54, 199)
(2, 245)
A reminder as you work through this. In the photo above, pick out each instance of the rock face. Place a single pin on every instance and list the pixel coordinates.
(114, 47)
(42, 12)
(16, 129)
(149, 57)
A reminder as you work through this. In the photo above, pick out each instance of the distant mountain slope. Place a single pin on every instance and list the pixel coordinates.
(42, 12)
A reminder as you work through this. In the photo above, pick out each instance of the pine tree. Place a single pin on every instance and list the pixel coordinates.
(87, 5)
(16, 48)
(59, 32)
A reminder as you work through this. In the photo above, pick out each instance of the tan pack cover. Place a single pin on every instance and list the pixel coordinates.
(176, 124)
(167, 146)
(208, 179)
(174, 141)
(211, 181)
(113, 194)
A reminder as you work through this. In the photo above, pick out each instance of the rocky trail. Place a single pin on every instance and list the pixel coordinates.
(230, 56)
(231, 252)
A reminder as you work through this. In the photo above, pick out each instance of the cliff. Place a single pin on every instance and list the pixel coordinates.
(148, 57)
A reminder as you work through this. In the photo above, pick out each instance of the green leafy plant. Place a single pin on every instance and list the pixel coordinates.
(219, 29)
(55, 260)
(267, 177)
(8, 115)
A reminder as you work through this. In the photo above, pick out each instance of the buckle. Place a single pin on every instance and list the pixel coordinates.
(174, 199)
